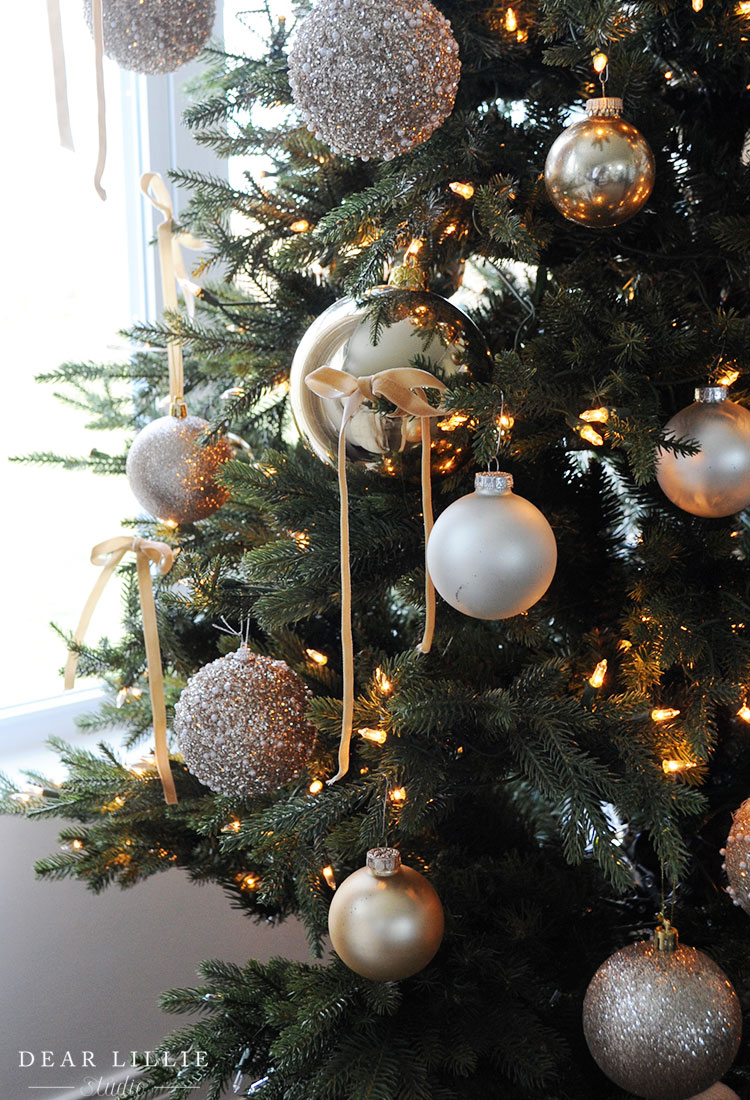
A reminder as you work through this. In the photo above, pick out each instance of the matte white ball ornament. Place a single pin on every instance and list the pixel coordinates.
(714, 482)
(491, 554)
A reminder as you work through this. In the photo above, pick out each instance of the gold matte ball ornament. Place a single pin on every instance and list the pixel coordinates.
(172, 471)
(715, 482)
(385, 921)
(600, 171)
(392, 328)
(662, 1020)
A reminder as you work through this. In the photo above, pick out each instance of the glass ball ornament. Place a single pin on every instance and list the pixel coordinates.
(491, 554)
(374, 78)
(600, 171)
(662, 1021)
(173, 473)
(241, 726)
(154, 36)
(737, 858)
(714, 482)
(411, 324)
(385, 921)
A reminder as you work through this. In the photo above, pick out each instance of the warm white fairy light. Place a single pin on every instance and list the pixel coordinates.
(596, 679)
(378, 736)
(663, 714)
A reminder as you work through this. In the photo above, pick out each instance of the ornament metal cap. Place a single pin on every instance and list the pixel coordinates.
(711, 395)
(384, 862)
(665, 936)
(604, 107)
(178, 408)
(493, 482)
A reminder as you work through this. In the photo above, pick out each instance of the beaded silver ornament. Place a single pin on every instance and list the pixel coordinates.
(154, 36)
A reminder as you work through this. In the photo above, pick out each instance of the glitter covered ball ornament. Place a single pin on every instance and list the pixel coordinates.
(600, 171)
(241, 724)
(662, 1020)
(391, 329)
(716, 481)
(491, 554)
(737, 858)
(154, 36)
(173, 473)
(385, 921)
(373, 78)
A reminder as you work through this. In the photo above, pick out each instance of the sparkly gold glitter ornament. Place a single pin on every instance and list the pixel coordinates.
(662, 1020)
(172, 473)
(240, 723)
(373, 78)
(154, 36)
(600, 171)
(737, 858)
(385, 921)
(716, 481)
(491, 554)
(411, 325)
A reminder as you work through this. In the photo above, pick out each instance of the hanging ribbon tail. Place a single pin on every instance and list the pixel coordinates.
(101, 106)
(59, 74)
(398, 386)
(172, 268)
(108, 555)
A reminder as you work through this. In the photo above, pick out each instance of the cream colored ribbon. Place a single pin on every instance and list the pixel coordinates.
(101, 106)
(109, 554)
(172, 267)
(397, 386)
(58, 74)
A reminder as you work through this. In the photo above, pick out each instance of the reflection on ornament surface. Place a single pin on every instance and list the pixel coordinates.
(172, 472)
(600, 171)
(414, 328)
(663, 1024)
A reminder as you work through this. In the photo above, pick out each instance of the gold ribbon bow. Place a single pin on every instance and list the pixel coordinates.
(173, 274)
(398, 386)
(109, 554)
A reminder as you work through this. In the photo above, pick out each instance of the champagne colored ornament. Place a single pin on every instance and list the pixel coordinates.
(662, 1020)
(716, 481)
(376, 77)
(600, 171)
(173, 474)
(385, 921)
(391, 329)
(717, 1092)
(737, 858)
(240, 723)
(171, 469)
(154, 36)
(491, 553)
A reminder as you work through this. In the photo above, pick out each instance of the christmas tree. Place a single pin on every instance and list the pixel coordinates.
(562, 763)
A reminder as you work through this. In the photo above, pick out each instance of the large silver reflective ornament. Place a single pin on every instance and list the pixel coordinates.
(392, 328)
(600, 171)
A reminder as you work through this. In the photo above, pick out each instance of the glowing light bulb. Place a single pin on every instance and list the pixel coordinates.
(729, 377)
(465, 190)
(672, 767)
(591, 436)
(511, 23)
(744, 713)
(329, 876)
(316, 656)
(505, 421)
(663, 714)
(300, 226)
(668, 74)
(250, 881)
(315, 787)
(77, 844)
(600, 62)
(414, 249)
(455, 420)
(377, 736)
(697, 5)
(382, 683)
(595, 416)
(397, 794)
(596, 679)
(233, 826)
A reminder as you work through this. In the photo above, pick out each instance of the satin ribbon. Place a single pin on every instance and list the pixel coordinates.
(172, 267)
(101, 106)
(109, 554)
(58, 74)
(397, 386)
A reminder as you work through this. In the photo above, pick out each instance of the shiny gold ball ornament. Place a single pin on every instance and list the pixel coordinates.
(390, 329)
(240, 724)
(600, 171)
(172, 471)
(714, 482)
(491, 554)
(662, 1020)
(385, 921)
(737, 858)
(154, 36)
(374, 78)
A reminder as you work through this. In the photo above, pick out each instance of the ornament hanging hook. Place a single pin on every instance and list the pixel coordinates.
(499, 433)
